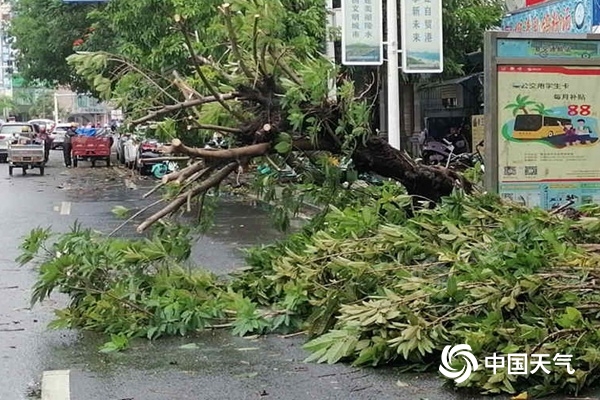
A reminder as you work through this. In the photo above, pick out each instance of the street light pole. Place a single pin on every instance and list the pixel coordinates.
(393, 80)
(56, 108)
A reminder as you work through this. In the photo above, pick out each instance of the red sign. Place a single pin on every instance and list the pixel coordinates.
(533, 2)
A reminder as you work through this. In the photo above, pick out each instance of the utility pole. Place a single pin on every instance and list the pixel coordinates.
(55, 108)
(393, 80)
(331, 25)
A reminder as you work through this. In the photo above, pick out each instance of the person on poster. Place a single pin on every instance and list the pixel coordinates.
(584, 132)
(582, 128)
(571, 136)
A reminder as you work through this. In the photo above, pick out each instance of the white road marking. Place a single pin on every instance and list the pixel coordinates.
(56, 385)
(56, 208)
(65, 208)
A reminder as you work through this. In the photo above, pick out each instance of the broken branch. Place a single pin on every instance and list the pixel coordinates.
(226, 10)
(180, 200)
(183, 105)
(219, 128)
(255, 150)
(205, 81)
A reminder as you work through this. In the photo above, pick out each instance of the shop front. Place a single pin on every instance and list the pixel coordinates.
(554, 16)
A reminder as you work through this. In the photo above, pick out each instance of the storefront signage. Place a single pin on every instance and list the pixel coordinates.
(88, 105)
(362, 32)
(422, 40)
(572, 16)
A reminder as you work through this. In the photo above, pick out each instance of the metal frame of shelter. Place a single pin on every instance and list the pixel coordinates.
(492, 61)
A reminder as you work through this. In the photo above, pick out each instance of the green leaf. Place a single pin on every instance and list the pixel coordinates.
(570, 318)
(451, 286)
(283, 147)
(447, 237)
(120, 211)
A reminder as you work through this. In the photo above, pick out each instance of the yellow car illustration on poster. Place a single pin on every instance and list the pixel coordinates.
(532, 126)
(558, 127)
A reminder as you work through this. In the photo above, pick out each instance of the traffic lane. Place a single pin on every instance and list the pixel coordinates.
(225, 367)
(26, 346)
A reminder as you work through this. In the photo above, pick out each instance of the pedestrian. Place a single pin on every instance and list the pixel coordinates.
(423, 136)
(69, 134)
(45, 138)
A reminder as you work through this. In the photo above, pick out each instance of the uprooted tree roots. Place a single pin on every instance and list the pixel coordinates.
(370, 287)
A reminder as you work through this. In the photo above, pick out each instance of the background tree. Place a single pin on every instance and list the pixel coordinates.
(464, 24)
(43, 106)
(46, 31)
(7, 105)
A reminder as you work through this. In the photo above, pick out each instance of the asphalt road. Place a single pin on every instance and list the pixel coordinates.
(220, 367)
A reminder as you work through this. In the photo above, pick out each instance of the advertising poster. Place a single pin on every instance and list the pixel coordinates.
(422, 41)
(362, 32)
(548, 134)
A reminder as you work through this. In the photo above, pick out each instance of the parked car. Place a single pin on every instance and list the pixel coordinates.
(126, 148)
(148, 150)
(58, 135)
(48, 123)
(9, 132)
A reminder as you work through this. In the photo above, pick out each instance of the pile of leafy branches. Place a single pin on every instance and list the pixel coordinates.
(370, 285)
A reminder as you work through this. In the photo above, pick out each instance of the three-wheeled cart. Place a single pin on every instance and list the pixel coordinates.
(26, 156)
(90, 148)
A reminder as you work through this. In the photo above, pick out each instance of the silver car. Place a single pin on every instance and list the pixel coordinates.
(4, 141)
(58, 135)
(9, 132)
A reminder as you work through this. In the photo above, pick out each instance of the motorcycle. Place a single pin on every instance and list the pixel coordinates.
(147, 151)
(443, 153)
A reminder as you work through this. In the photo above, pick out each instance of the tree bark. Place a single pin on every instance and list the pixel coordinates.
(428, 182)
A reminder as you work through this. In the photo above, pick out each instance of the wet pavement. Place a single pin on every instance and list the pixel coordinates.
(217, 366)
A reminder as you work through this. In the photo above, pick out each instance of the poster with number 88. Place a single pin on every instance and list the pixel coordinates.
(548, 124)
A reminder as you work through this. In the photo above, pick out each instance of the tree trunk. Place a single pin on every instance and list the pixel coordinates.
(423, 181)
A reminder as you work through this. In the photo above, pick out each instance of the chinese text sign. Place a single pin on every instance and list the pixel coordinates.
(422, 40)
(362, 32)
(548, 146)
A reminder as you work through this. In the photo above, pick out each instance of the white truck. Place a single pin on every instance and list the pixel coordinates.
(24, 153)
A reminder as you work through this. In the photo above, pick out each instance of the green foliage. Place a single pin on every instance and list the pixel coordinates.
(45, 31)
(120, 211)
(370, 284)
(464, 23)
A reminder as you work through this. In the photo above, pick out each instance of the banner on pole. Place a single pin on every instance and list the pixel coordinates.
(362, 32)
(422, 39)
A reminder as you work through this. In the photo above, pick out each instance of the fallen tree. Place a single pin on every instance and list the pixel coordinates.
(369, 287)
(277, 102)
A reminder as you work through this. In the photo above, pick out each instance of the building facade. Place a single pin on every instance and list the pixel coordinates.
(6, 53)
